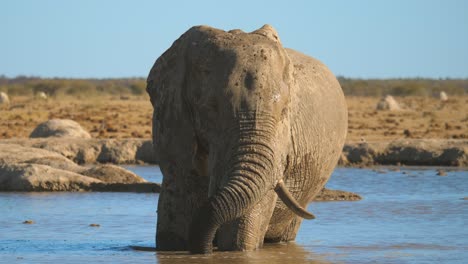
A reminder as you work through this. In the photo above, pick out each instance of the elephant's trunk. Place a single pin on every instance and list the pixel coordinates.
(251, 175)
(249, 178)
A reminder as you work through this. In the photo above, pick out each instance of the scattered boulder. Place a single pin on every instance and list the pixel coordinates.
(35, 177)
(388, 103)
(33, 169)
(4, 100)
(13, 153)
(116, 151)
(79, 150)
(59, 128)
(443, 96)
(57, 162)
(41, 95)
(113, 174)
(145, 152)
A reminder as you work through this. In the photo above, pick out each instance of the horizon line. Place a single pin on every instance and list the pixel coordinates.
(2, 76)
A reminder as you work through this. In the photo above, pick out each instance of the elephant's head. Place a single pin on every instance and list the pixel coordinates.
(235, 89)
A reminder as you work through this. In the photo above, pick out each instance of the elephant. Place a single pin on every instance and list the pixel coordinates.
(240, 121)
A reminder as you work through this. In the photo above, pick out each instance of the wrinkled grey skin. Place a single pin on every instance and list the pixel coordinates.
(235, 116)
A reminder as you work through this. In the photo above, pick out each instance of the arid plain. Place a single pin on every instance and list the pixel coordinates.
(130, 117)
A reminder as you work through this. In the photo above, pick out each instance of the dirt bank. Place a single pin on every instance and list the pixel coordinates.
(417, 152)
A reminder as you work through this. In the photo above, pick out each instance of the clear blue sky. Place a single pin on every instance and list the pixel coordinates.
(112, 38)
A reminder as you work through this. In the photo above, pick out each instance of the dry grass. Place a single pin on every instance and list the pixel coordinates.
(112, 117)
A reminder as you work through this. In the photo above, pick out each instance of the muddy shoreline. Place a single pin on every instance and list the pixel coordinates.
(409, 152)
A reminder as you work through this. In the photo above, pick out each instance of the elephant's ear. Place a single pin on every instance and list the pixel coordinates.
(269, 32)
(166, 79)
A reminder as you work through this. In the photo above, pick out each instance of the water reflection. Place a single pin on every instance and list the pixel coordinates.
(269, 254)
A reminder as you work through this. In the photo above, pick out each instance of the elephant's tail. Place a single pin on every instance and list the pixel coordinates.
(290, 202)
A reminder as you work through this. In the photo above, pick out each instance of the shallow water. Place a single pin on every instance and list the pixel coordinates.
(407, 216)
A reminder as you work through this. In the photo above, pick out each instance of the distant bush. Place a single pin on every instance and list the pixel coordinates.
(50, 88)
(403, 87)
(72, 87)
(136, 86)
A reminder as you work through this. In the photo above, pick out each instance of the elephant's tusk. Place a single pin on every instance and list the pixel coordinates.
(290, 202)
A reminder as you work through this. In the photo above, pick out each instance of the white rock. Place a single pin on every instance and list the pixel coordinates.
(443, 96)
(41, 95)
(388, 103)
(4, 98)
(59, 128)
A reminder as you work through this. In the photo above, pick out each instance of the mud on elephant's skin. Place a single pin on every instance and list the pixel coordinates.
(238, 122)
